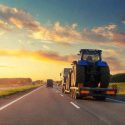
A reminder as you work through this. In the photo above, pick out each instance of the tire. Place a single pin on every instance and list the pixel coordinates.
(80, 74)
(68, 82)
(104, 77)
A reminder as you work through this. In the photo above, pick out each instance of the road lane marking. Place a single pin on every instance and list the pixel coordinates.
(61, 94)
(116, 100)
(5, 106)
(75, 105)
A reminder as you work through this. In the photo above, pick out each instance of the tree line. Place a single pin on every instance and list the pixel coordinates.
(118, 78)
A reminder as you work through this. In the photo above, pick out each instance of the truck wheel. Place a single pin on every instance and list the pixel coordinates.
(71, 93)
(104, 77)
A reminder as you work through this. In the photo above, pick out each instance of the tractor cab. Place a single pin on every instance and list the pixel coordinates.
(90, 55)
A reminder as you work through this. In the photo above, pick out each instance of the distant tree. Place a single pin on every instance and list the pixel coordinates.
(118, 77)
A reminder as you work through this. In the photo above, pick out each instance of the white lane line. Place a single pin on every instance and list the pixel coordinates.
(116, 100)
(75, 105)
(5, 106)
(61, 94)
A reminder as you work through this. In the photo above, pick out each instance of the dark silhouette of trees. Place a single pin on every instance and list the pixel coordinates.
(118, 77)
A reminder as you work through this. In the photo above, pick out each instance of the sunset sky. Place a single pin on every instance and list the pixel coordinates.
(38, 38)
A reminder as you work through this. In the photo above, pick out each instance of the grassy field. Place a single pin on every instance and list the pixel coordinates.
(11, 91)
(121, 87)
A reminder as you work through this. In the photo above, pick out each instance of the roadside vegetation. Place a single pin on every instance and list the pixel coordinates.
(116, 78)
(121, 87)
(119, 80)
(11, 91)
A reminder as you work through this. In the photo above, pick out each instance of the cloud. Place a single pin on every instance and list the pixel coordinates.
(39, 55)
(119, 39)
(4, 26)
(18, 18)
(23, 20)
(58, 33)
(116, 65)
(113, 58)
(123, 22)
(105, 31)
(67, 34)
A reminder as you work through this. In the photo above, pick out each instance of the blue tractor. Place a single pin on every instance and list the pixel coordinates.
(91, 70)
(89, 76)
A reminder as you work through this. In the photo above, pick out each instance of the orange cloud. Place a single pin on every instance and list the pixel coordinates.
(39, 55)
(16, 22)
(18, 18)
(115, 65)
(57, 32)
(119, 39)
(4, 25)
(105, 31)
(110, 56)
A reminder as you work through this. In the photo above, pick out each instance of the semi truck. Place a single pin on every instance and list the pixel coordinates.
(89, 76)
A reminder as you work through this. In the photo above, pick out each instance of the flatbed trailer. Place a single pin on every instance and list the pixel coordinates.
(89, 76)
(98, 93)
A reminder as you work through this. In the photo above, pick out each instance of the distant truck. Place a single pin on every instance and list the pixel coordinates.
(49, 83)
(89, 76)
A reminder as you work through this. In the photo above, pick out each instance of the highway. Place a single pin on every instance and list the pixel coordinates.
(48, 106)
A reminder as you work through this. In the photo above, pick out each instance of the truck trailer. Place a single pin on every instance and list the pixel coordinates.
(64, 77)
(89, 76)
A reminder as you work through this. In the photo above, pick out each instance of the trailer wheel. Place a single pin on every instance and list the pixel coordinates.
(71, 93)
(104, 77)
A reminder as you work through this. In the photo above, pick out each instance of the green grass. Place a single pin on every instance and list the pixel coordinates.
(17, 90)
(121, 87)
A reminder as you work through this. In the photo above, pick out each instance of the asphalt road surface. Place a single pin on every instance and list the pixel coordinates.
(48, 106)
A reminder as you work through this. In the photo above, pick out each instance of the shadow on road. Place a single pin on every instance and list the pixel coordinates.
(117, 99)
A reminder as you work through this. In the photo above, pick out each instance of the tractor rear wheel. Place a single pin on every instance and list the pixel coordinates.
(77, 75)
(104, 77)
(80, 74)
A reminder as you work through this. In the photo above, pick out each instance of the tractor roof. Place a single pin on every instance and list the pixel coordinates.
(90, 51)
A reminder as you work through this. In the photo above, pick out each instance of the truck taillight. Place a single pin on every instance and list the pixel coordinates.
(84, 92)
(110, 92)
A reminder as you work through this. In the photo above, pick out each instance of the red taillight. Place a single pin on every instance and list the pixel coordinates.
(84, 92)
(110, 92)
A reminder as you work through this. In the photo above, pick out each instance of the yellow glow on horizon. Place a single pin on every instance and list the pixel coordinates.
(25, 67)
